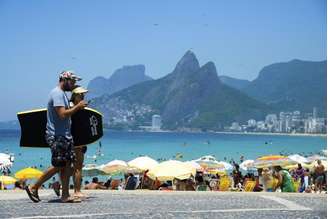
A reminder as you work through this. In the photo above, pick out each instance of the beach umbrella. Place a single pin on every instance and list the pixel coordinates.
(315, 157)
(92, 170)
(220, 172)
(143, 163)
(171, 169)
(294, 166)
(308, 165)
(6, 161)
(7, 180)
(209, 162)
(114, 166)
(273, 160)
(247, 164)
(315, 163)
(298, 158)
(226, 166)
(28, 173)
(194, 165)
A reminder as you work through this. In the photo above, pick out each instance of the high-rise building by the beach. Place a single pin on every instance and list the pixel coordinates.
(156, 122)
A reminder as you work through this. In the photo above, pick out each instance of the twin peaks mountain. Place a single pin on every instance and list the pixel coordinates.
(120, 79)
(190, 96)
(194, 96)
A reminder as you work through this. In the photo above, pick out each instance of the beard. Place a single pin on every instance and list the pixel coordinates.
(67, 86)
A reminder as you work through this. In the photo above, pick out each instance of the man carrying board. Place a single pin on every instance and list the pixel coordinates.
(58, 136)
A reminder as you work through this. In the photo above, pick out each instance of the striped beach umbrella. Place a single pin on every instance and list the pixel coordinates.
(273, 160)
(209, 162)
(298, 158)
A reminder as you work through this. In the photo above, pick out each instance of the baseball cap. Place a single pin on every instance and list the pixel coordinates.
(68, 74)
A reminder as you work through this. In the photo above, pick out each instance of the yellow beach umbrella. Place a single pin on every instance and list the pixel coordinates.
(28, 173)
(143, 163)
(7, 180)
(168, 170)
(310, 166)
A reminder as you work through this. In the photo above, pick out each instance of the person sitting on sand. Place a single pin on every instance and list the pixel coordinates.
(285, 181)
(131, 182)
(236, 174)
(267, 180)
(94, 184)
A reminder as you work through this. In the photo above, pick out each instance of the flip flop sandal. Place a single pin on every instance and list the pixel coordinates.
(34, 197)
(71, 200)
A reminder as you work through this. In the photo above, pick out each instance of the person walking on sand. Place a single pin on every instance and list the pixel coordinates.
(78, 96)
(58, 136)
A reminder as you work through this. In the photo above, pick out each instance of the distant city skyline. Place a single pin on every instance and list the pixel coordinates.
(41, 38)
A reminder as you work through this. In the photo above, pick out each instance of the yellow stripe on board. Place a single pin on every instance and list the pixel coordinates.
(32, 111)
(93, 110)
(44, 109)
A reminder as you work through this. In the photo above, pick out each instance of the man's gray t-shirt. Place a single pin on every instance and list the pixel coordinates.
(55, 125)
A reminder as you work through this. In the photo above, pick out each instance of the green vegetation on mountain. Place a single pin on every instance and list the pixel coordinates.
(295, 85)
(191, 96)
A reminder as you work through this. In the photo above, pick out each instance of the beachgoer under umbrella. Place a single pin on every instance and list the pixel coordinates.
(267, 180)
(319, 172)
(236, 174)
(131, 182)
(58, 136)
(299, 174)
(95, 184)
(285, 181)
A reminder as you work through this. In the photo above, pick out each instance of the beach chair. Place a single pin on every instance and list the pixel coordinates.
(224, 184)
(201, 188)
(114, 184)
(249, 186)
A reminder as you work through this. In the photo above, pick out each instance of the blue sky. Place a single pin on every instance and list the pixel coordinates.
(41, 38)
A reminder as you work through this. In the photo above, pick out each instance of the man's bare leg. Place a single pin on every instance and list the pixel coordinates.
(45, 176)
(64, 176)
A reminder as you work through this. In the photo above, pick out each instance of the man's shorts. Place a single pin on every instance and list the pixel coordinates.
(319, 179)
(62, 150)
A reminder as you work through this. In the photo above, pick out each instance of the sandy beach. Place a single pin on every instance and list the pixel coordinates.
(159, 204)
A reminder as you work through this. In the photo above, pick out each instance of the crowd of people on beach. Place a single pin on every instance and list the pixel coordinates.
(275, 179)
(268, 179)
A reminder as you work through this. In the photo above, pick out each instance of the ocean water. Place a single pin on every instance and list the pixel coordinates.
(165, 145)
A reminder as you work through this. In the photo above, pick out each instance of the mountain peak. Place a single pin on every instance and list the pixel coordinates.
(210, 66)
(188, 63)
(129, 69)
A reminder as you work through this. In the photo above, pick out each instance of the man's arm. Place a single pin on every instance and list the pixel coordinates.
(65, 113)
